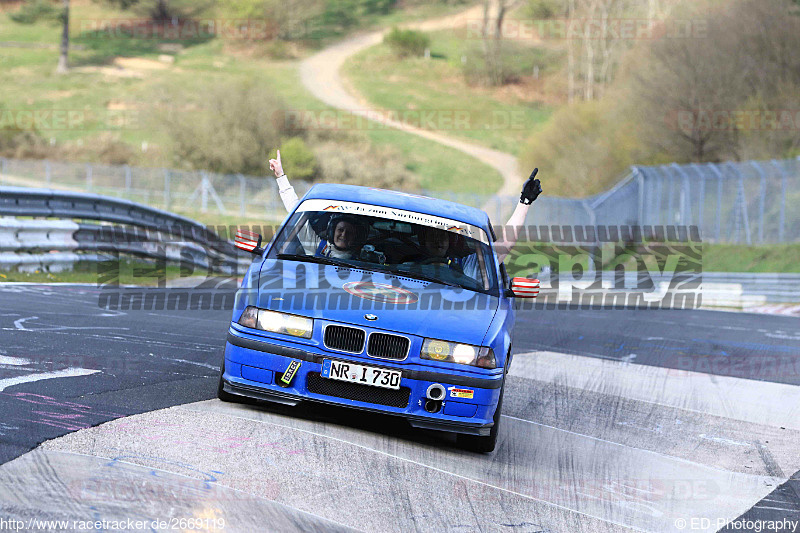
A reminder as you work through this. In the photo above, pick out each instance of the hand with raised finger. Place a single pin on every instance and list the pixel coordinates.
(531, 190)
(276, 166)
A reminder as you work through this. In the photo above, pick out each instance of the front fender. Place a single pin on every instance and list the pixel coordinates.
(498, 336)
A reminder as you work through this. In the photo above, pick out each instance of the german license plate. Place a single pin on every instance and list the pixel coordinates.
(366, 375)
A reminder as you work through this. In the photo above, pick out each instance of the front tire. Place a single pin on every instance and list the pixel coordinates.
(480, 443)
(221, 394)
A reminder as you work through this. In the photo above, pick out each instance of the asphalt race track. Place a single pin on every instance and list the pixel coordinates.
(614, 420)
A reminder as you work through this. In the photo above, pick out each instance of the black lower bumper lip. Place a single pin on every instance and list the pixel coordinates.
(419, 375)
(292, 400)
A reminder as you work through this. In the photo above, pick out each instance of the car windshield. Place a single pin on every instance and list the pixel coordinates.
(414, 245)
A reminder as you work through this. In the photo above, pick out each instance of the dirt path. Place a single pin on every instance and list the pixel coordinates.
(320, 75)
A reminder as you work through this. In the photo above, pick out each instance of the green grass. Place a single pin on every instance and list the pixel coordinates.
(438, 85)
(29, 82)
(736, 258)
(780, 258)
(410, 11)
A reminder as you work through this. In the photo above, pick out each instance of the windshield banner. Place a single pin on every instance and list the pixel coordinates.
(391, 213)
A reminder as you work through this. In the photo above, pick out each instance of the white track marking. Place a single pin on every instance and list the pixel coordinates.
(196, 363)
(66, 373)
(758, 402)
(724, 441)
(20, 325)
(642, 450)
(13, 361)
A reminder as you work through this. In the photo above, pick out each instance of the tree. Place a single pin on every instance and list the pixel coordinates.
(701, 102)
(493, 38)
(165, 10)
(63, 65)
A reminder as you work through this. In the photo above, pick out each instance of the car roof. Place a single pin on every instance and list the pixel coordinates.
(399, 200)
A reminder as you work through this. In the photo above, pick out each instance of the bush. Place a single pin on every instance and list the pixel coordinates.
(228, 130)
(33, 10)
(104, 148)
(407, 43)
(356, 165)
(19, 143)
(542, 9)
(502, 64)
(298, 160)
(585, 147)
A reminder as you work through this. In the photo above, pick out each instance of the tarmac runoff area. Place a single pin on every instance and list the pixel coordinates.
(585, 445)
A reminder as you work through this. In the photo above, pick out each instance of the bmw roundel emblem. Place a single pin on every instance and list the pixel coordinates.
(371, 317)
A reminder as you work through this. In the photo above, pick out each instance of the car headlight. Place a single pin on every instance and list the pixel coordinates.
(463, 354)
(272, 321)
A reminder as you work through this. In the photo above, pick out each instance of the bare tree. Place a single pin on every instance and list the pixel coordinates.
(570, 52)
(588, 46)
(493, 38)
(63, 65)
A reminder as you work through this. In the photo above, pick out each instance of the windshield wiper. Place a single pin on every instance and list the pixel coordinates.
(423, 277)
(315, 259)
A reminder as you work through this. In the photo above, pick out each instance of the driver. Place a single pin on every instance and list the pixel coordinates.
(436, 243)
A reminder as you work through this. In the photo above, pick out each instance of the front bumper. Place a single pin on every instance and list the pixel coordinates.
(253, 368)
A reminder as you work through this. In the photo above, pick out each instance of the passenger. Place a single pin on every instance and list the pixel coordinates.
(344, 238)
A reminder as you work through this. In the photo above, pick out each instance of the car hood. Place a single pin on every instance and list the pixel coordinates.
(401, 304)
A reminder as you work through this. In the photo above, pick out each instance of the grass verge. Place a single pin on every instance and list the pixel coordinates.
(500, 118)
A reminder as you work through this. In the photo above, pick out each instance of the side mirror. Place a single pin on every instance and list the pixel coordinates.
(525, 288)
(248, 241)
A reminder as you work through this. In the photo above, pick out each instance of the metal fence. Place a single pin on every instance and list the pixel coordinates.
(167, 189)
(749, 202)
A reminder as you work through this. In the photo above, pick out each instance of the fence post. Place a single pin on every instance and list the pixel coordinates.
(782, 222)
(683, 199)
(167, 197)
(203, 192)
(48, 178)
(2, 167)
(88, 177)
(741, 203)
(702, 202)
(659, 196)
(127, 181)
(670, 189)
(763, 192)
(242, 195)
(719, 200)
(640, 195)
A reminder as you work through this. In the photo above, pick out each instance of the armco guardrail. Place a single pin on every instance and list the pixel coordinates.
(734, 290)
(135, 229)
(745, 289)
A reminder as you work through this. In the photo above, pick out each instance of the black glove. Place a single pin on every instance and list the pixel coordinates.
(531, 190)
